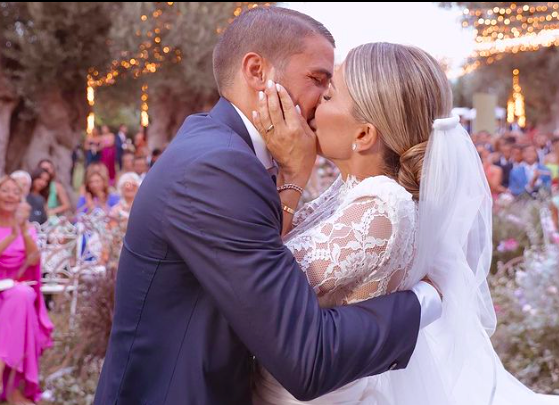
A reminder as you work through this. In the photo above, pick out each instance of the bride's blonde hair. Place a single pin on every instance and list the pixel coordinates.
(400, 90)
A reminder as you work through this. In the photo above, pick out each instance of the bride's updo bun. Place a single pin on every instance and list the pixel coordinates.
(400, 90)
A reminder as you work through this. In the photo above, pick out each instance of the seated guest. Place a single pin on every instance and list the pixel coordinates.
(555, 210)
(127, 188)
(40, 180)
(140, 144)
(551, 161)
(96, 196)
(530, 176)
(154, 156)
(58, 202)
(141, 166)
(23, 179)
(127, 161)
(25, 329)
(95, 167)
(504, 160)
(517, 155)
(35, 203)
(542, 146)
(493, 172)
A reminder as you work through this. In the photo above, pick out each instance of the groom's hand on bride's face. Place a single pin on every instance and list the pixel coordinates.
(288, 137)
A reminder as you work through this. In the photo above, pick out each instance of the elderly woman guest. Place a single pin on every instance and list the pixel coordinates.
(25, 329)
(127, 188)
(35, 191)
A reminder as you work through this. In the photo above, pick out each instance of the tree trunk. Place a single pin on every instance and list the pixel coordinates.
(161, 116)
(56, 133)
(8, 103)
(167, 114)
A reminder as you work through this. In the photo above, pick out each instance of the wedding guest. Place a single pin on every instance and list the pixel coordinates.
(140, 144)
(484, 138)
(551, 161)
(154, 156)
(542, 146)
(58, 202)
(141, 166)
(504, 159)
(23, 179)
(555, 210)
(127, 161)
(96, 196)
(517, 155)
(127, 187)
(120, 144)
(25, 329)
(108, 151)
(40, 180)
(530, 176)
(92, 147)
(493, 173)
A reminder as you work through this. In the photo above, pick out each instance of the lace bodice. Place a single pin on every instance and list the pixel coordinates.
(357, 240)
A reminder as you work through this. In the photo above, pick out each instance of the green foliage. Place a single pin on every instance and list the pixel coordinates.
(53, 44)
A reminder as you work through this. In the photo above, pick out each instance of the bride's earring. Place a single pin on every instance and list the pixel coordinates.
(354, 147)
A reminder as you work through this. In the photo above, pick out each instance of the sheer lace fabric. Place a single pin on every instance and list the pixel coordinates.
(356, 241)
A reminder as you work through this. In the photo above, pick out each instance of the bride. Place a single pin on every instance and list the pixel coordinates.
(412, 201)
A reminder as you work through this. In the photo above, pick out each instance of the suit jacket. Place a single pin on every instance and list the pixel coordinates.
(119, 144)
(205, 282)
(519, 179)
(507, 167)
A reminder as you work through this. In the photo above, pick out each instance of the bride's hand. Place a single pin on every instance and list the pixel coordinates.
(288, 137)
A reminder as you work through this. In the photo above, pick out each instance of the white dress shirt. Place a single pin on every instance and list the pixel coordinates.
(258, 142)
(429, 298)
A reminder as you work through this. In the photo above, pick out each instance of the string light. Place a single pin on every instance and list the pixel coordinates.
(511, 29)
(515, 105)
(144, 116)
(91, 102)
(148, 59)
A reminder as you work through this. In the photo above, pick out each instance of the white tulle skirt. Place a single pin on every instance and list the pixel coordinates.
(485, 382)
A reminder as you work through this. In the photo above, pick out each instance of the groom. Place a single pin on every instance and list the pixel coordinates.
(205, 282)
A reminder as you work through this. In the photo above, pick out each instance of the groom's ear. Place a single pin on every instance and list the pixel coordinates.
(367, 137)
(254, 69)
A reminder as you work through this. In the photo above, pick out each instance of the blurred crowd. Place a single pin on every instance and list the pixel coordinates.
(521, 165)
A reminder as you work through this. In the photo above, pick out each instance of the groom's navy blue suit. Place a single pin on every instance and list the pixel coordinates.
(205, 282)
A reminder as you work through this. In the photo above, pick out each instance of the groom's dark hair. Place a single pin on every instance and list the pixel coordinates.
(273, 32)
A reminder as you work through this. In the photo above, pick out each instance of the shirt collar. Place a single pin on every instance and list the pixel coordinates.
(258, 142)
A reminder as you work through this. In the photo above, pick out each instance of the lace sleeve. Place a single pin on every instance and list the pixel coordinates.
(304, 212)
(348, 253)
(307, 209)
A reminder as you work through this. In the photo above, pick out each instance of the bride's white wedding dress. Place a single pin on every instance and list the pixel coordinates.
(356, 241)
(362, 239)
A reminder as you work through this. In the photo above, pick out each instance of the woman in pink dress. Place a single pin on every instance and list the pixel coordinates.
(108, 153)
(25, 329)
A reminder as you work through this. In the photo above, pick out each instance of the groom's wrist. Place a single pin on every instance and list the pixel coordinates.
(296, 179)
(430, 302)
